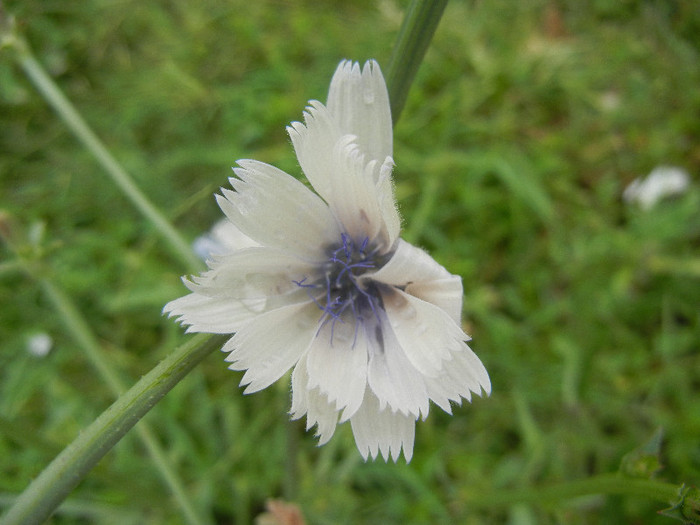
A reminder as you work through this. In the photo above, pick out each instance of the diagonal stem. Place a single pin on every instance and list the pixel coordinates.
(79, 329)
(417, 30)
(64, 473)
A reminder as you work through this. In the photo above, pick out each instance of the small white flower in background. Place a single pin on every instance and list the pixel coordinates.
(39, 344)
(369, 323)
(223, 238)
(661, 182)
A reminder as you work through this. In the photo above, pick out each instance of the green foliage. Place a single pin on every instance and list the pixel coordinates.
(686, 508)
(644, 461)
(525, 123)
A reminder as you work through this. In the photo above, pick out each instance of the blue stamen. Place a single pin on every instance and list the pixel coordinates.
(337, 290)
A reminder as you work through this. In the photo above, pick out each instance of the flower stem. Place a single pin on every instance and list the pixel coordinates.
(79, 329)
(416, 32)
(601, 484)
(71, 118)
(54, 483)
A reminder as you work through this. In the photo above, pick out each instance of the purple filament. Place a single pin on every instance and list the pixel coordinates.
(338, 290)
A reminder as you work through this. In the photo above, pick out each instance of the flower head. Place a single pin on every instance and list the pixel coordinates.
(662, 182)
(369, 323)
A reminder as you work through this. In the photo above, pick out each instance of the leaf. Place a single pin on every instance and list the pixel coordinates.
(687, 508)
(644, 461)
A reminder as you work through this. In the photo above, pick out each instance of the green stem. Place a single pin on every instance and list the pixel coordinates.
(54, 483)
(70, 116)
(85, 511)
(79, 329)
(602, 484)
(416, 32)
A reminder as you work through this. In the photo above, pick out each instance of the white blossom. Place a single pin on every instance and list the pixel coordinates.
(663, 181)
(369, 323)
(223, 238)
(39, 344)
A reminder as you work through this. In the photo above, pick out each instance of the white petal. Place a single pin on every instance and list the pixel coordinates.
(462, 375)
(423, 277)
(318, 410)
(214, 315)
(393, 379)
(359, 103)
(252, 273)
(382, 431)
(408, 265)
(358, 190)
(427, 334)
(354, 197)
(387, 202)
(238, 287)
(276, 210)
(337, 365)
(444, 293)
(271, 344)
(314, 142)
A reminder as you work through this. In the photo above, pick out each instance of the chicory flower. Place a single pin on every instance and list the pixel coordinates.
(369, 323)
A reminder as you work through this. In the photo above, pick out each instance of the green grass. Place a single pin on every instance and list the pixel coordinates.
(525, 123)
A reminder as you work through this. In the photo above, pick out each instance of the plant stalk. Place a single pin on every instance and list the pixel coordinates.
(417, 30)
(64, 473)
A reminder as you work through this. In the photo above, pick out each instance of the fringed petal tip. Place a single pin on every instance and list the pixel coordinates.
(358, 100)
(382, 431)
(387, 453)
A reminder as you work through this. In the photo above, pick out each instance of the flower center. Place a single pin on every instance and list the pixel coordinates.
(344, 295)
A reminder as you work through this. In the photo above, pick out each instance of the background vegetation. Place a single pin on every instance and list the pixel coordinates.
(526, 122)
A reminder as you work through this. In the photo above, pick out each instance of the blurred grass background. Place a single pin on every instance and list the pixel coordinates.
(526, 122)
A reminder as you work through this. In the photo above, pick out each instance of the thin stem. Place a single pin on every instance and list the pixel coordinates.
(416, 32)
(54, 483)
(86, 510)
(70, 116)
(602, 484)
(80, 330)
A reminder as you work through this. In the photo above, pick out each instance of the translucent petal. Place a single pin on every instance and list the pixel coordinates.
(359, 102)
(423, 277)
(393, 379)
(276, 210)
(271, 344)
(427, 334)
(463, 374)
(214, 315)
(409, 264)
(387, 203)
(358, 190)
(314, 142)
(251, 273)
(382, 431)
(354, 197)
(337, 365)
(444, 293)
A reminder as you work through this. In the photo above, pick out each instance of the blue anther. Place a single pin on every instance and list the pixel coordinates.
(337, 289)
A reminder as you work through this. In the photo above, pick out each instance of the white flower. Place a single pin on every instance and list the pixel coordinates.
(39, 344)
(369, 323)
(661, 182)
(223, 238)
